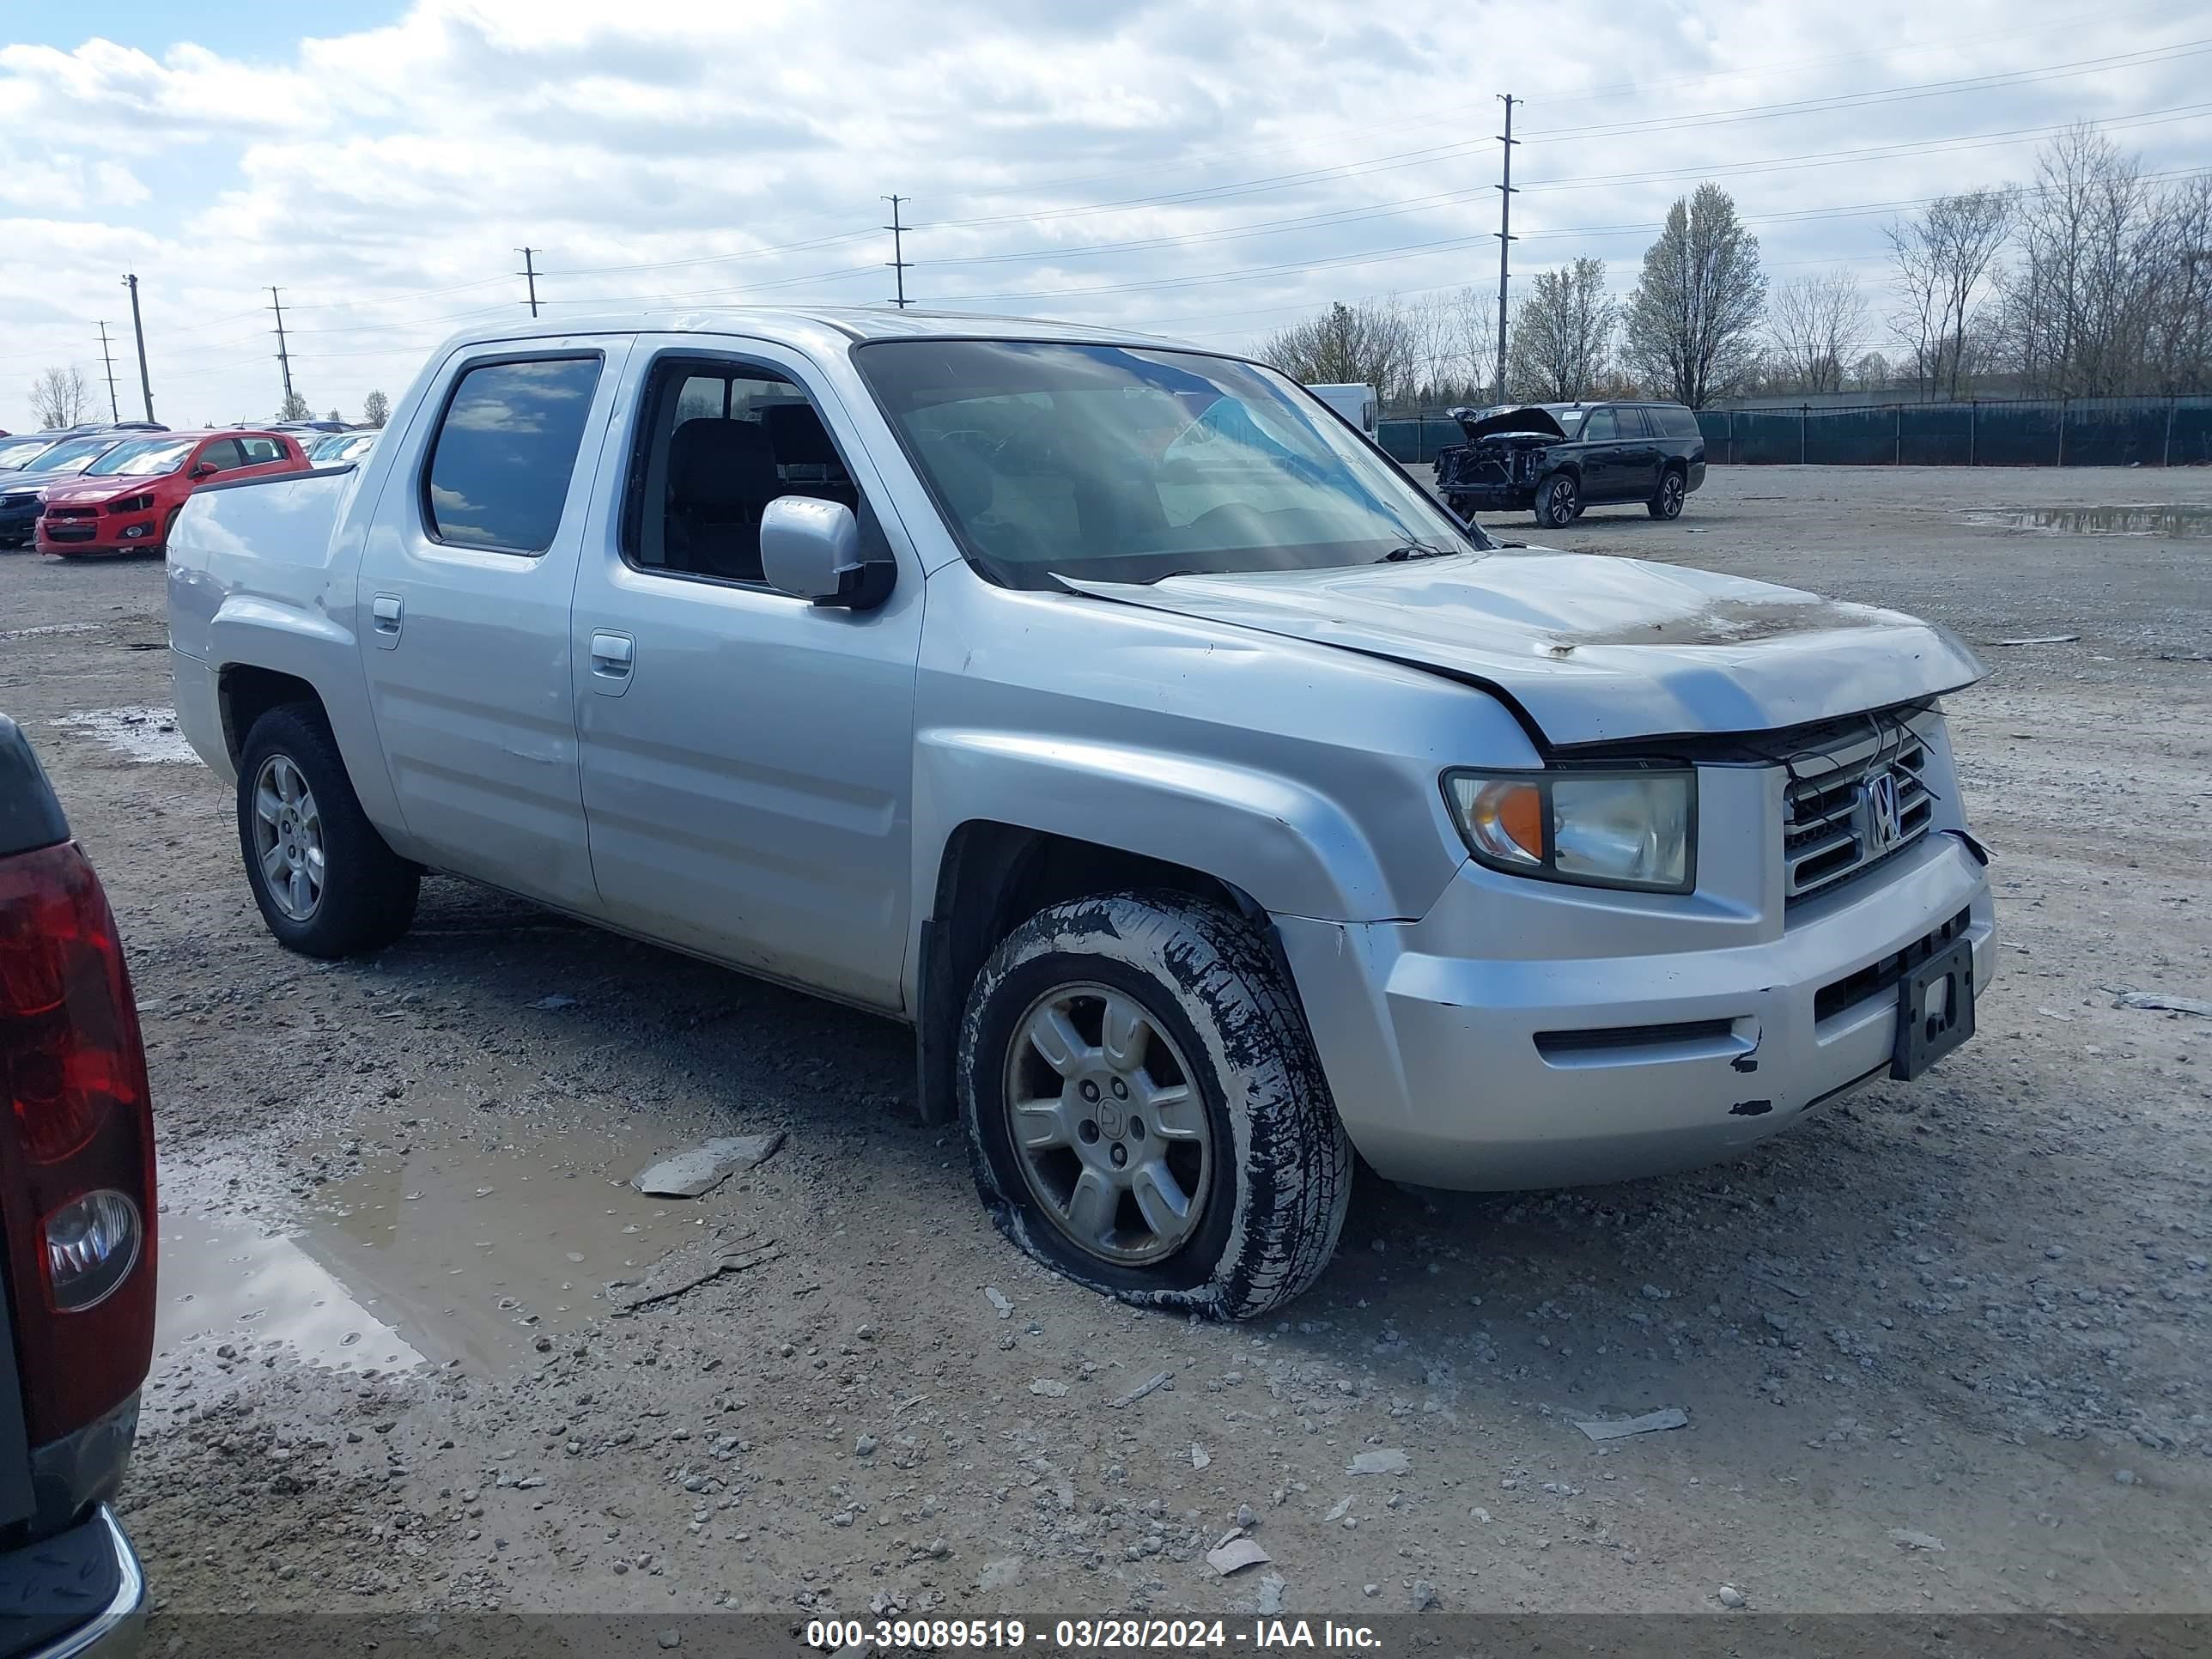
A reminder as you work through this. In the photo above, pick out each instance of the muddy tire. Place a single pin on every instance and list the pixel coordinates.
(1181, 1001)
(1559, 499)
(1673, 487)
(326, 883)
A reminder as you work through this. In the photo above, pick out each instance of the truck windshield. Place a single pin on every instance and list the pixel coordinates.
(1111, 463)
(146, 458)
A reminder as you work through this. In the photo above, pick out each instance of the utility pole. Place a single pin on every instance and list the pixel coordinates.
(284, 358)
(529, 276)
(108, 357)
(1504, 236)
(145, 386)
(898, 259)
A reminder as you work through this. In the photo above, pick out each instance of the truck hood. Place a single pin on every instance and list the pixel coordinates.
(1525, 418)
(1595, 649)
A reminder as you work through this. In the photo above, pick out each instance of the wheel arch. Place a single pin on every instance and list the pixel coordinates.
(992, 876)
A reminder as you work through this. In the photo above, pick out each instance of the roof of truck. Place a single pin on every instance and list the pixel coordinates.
(855, 322)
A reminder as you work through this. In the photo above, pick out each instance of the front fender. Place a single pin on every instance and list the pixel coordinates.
(1291, 848)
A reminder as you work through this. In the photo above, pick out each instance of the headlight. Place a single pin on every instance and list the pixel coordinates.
(131, 504)
(1600, 829)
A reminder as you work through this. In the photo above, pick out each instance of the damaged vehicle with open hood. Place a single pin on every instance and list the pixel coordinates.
(1211, 803)
(1558, 458)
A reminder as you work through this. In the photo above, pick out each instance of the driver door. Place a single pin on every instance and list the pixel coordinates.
(747, 757)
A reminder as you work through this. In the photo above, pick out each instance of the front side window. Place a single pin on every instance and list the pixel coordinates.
(221, 455)
(505, 451)
(717, 441)
(1113, 464)
(1600, 426)
(148, 458)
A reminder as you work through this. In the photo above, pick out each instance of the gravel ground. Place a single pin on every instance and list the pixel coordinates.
(1944, 1349)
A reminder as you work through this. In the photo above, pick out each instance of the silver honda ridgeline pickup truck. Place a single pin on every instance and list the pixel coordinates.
(1211, 802)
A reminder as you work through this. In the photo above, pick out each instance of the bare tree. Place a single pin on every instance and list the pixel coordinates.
(1815, 323)
(60, 398)
(375, 409)
(1562, 332)
(1692, 327)
(1365, 343)
(294, 408)
(1871, 373)
(2109, 288)
(1943, 259)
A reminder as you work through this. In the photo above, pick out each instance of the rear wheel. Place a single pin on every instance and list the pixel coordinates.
(1145, 1110)
(326, 883)
(1667, 503)
(1558, 500)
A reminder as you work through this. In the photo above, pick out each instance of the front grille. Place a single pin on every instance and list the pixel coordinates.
(72, 512)
(1833, 828)
(79, 531)
(17, 503)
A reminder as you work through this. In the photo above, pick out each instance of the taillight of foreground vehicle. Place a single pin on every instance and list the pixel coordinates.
(76, 1162)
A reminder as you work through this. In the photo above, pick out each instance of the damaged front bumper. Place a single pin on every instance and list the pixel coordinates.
(1455, 1063)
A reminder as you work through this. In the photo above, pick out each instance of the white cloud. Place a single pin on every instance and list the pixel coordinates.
(385, 178)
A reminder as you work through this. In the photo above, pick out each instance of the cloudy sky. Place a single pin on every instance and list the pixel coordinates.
(1214, 171)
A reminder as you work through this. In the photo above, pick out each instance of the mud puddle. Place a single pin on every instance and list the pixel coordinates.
(437, 1248)
(2102, 520)
(145, 734)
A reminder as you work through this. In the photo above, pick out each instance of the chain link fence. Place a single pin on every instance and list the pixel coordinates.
(2057, 432)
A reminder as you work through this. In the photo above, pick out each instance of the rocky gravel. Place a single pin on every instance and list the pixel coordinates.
(1942, 1349)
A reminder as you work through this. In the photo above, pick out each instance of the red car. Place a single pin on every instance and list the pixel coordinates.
(125, 501)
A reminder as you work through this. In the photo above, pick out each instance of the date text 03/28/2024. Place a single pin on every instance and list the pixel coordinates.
(1090, 1635)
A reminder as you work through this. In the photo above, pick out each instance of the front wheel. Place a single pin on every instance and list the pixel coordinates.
(1558, 501)
(1145, 1110)
(1667, 503)
(325, 883)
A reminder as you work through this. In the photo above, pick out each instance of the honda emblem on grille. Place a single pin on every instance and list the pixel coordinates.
(1885, 824)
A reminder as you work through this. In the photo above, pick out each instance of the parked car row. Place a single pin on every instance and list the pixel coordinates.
(118, 491)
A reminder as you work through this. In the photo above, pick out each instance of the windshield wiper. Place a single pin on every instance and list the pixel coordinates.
(1401, 554)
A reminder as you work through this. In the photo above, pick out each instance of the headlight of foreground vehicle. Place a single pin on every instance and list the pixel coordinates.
(1632, 829)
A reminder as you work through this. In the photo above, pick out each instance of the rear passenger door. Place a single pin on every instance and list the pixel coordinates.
(1639, 451)
(462, 610)
(747, 757)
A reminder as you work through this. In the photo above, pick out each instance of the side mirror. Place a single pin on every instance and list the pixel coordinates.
(812, 550)
(204, 469)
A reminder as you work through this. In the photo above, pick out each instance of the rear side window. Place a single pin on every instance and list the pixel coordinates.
(505, 450)
(1635, 422)
(1676, 421)
(260, 451)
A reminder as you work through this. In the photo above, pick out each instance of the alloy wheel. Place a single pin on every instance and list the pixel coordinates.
(288, 838)
(1108, 1124)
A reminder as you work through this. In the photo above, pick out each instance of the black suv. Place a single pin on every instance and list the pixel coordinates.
(1561, 457)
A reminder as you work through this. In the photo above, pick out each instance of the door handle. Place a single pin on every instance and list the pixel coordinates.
(613, 656)
(385, 617)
